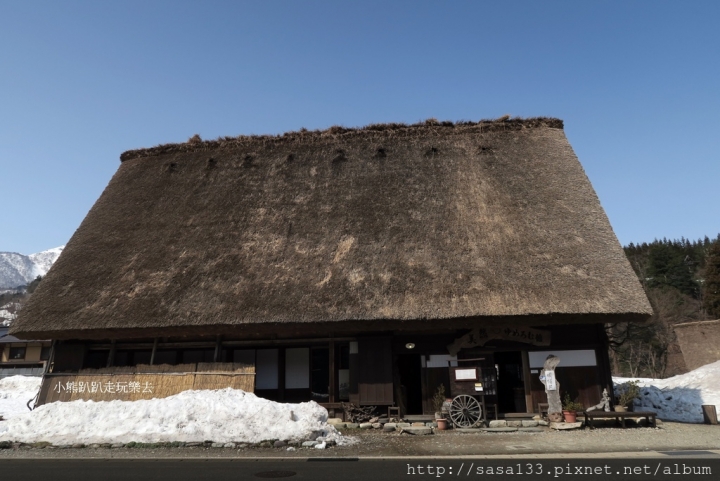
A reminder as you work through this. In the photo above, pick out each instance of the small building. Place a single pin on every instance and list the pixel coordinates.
(20, 357)
(699, 342)
(341, 265)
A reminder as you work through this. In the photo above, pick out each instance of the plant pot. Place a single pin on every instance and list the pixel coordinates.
(442, 424)
(620, 409)
(570, 416)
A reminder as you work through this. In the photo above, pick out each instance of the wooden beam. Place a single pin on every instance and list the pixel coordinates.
(333, 374)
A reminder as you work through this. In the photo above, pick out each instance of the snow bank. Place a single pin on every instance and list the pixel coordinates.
(679, 398)
(223, 416)
(15, 392)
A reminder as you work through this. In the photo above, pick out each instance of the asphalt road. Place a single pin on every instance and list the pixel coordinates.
(349, 469)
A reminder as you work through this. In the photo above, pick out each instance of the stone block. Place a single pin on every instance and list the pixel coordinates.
(365, 425)
(565, 426)
(417, 430)
(526, 423)
(498, 423)
(514, 423)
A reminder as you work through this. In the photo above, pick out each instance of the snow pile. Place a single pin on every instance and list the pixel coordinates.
(223, 416)
(15, 392)
(679, 398)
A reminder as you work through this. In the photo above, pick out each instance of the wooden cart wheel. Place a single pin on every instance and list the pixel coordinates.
(465, 411)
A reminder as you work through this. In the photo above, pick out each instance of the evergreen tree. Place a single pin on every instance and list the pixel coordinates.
(711, 291)
(670, 265)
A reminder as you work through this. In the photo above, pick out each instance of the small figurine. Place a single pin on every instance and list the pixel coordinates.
(604, 403)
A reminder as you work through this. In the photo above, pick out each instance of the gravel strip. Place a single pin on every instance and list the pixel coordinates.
(371, 443)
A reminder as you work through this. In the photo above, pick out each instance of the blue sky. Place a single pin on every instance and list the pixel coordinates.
(637, 84)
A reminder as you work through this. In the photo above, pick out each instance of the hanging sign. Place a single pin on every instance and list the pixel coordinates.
(550, 381)
(466, 374)
(480, 335)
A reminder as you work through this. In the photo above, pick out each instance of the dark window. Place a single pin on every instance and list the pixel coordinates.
(132, 357)
(165, 356)
(122, 358)
(344, 357)
(141, 356)
(320, 374)
(45, 353)
(17, 353)
(96, 359)
(190, 356)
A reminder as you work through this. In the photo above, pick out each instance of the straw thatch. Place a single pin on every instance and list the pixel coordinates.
(436, 221)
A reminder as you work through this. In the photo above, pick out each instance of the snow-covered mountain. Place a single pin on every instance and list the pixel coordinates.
(45, 259)
(18, 269)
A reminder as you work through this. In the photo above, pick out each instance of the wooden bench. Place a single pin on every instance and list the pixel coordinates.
(590, 415)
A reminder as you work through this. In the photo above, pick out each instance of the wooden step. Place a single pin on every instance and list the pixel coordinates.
(518, 415)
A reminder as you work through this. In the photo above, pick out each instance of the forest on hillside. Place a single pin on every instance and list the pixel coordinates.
(682, 281)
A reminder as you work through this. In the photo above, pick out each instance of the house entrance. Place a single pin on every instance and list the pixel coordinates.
(410, 368)
(510, 386)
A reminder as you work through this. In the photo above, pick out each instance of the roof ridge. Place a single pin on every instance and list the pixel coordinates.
(195, 143)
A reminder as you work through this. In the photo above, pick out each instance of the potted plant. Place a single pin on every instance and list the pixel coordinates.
(438, 400)
(570, 409)
(629, 392)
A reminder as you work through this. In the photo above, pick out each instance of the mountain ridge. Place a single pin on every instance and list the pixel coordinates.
(18, 269)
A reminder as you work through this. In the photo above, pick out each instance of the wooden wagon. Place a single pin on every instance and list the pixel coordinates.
(467, 408)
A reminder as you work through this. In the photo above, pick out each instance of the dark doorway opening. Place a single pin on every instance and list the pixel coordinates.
(410, 368)
(320, 374)
(510, 386)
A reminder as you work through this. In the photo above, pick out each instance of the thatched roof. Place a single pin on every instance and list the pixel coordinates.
(430, 222)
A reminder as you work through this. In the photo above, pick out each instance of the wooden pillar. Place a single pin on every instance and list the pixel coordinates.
(281, 374)
(333, 374)
(51, 358)
(111, 354)
(603, 358)
(354, 372)
(218, 347)
(529, 408)
(154, 350)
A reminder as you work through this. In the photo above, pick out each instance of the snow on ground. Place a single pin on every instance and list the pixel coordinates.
(679, 398)
(15, 392)
(223, 416)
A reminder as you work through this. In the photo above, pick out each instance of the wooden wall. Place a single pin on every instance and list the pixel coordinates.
(375, 381)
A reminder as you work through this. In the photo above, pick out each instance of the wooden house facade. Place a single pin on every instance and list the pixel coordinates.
(342, 265)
